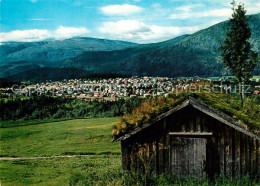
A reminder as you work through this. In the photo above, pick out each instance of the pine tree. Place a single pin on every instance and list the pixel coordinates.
(236, 51)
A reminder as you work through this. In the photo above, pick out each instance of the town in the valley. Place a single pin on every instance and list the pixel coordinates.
(113, 88)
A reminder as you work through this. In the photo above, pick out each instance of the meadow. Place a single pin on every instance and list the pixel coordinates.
(94, 160)
(81, 136)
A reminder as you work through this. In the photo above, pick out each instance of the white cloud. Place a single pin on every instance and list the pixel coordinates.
(67, 32)
(33, 1)
(128, 27)
(224, 12)
(25, 35)
(187, 12)
(122, 10)
(37, 35)
(133, 30)
(187, 8)
(253, 9)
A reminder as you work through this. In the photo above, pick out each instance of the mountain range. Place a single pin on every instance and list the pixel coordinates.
(187, 55)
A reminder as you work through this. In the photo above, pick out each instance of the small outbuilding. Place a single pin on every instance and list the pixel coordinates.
(192, 139)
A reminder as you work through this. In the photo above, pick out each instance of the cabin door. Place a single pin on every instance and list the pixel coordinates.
(187, 156)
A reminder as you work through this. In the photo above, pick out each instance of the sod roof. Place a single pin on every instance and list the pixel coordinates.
(227, 106)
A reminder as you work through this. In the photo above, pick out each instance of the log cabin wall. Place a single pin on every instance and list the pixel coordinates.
(228, 152)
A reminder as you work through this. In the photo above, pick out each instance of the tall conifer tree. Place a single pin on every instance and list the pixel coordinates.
(236, 51)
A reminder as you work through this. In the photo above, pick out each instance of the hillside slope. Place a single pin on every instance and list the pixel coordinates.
(56, 50)
(195, 55)
(105, 61)
(192, 55)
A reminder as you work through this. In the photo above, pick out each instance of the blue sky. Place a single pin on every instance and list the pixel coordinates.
(142, 21)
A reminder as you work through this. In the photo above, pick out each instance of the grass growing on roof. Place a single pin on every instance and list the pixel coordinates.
(230, 104)
(149, 110)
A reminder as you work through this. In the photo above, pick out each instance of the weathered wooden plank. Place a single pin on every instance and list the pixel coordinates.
(226, 141)
(233, 133)
(242, 155)
(210, 164)
(229, 153)
(124, 156)
(248, 160)
(189, 122)
(157, 157)
(190, 157)
(193, 134)
(182, 155)
(215, 156)
(175, 152)
(253, 157)
(167, 154)
(197, 158)
(150, 157)
(196, 126)
(161, 151)
(200, 156)
(237, 154)
(221, 149)
(204, 157)
(204, 124)
(258, 158)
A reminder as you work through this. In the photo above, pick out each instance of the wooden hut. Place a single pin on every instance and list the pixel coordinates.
(192, 139)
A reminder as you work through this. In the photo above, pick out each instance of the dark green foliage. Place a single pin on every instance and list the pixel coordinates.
(45, 107)
(49, 73)
(7, 83)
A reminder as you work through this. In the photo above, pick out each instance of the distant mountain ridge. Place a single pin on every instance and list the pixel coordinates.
(188, 55)
(15, 56)
(56, 50)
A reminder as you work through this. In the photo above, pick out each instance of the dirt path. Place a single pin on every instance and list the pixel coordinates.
(49, 157)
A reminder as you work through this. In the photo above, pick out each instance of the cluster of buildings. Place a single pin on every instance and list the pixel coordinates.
(107, 88)
(103, 88)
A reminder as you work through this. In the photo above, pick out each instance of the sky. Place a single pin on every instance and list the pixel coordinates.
(141, 21)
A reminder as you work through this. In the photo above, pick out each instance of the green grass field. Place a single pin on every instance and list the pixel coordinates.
(73, 137)
(82, 136)
(59, 138)
(96, 170)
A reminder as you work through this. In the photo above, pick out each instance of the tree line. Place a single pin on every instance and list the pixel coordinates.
(45, 107)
